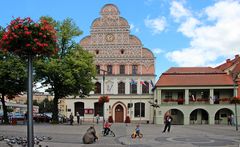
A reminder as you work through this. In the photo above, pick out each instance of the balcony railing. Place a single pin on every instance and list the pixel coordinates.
(180, 101)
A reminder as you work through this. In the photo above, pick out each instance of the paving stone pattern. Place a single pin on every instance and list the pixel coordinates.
(65, 135)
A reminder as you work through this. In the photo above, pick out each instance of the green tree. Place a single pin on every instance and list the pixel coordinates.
(71, 71)
(12, 78)
(46, 106)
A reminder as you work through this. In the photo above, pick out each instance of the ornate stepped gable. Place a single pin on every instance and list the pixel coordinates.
(111, 42)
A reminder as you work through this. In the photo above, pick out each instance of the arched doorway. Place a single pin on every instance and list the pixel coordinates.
(119, 113)
(221, 117)
(199, 116)
(79, 107)
(177, 116)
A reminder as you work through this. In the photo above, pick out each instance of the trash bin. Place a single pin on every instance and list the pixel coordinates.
(147, 121)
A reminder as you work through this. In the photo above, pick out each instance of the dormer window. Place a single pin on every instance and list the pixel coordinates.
(97, 52)
(122, 51)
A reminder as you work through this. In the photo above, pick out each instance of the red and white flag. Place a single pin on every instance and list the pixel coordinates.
(143, 83)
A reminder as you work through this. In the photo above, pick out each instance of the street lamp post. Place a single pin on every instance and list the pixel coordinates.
(155, 105)
(236, 116)
(104, 73)
(235, 103)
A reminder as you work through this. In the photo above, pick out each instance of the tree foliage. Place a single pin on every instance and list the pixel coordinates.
(71, 71)
(45, 106)
(12, 78)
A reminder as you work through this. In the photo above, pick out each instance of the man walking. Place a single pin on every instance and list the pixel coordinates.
(78, 118)
(71, 119)
(168, 122)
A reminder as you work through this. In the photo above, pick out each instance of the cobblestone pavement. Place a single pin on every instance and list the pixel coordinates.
(180, 136)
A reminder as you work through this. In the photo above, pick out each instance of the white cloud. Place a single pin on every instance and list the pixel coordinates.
(188, 27)
(133, 28)
(178, 11)
(216, 35)
(226, 10)
(157, 24)
(157, 50)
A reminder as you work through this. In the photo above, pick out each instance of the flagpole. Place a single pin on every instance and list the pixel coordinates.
(104, 71)
(140, 110)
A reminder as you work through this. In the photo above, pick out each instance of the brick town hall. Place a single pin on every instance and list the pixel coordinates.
(125, 71)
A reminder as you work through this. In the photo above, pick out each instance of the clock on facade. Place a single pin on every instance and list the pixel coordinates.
(109, 37)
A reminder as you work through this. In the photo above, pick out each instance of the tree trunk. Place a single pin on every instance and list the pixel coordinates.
(55, 110)
(5, 115)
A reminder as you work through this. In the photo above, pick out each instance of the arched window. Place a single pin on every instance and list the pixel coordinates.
(133, 88)
(97, 88)
(121, 88)
(145, 87)
(139, 109)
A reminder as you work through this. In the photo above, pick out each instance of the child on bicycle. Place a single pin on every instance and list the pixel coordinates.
(106, 127)
(137, 130)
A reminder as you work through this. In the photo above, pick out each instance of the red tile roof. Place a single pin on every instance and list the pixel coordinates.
(236, 69)
(194, 76)
(229, 63)
(193, 70)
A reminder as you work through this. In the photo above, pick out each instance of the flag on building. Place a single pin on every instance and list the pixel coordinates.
(152, 83)
(109, 88)
(133, 82)
(143, 83)
(193, 97)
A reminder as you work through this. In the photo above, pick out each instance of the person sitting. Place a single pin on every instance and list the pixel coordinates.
(107, 126)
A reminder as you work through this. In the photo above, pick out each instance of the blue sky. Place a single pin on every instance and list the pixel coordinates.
(179, 32)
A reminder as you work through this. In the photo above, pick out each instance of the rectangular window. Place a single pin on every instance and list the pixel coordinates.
(139, 110)
(134, 69)
(133, 88)
(168, 95)
(109, 69)
(122, 69)
(98, 69)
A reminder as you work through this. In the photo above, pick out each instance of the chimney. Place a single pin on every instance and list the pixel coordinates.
(228, 61)
(236, 56)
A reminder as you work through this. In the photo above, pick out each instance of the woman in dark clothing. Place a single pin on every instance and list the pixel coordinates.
(168, 122)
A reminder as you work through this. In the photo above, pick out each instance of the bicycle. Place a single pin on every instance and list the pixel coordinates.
(135, 135)
(110, 133)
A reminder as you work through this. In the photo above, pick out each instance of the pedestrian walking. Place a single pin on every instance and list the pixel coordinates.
(168, 123)
(78, 118)
(229, 119)
(25, 117)
(71, 119)
(97, 118)
(232, 120)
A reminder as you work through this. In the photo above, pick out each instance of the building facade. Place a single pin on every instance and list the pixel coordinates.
(125, 71)
(195, 95)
